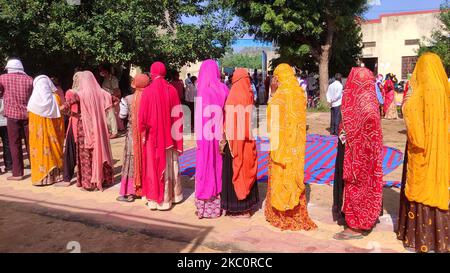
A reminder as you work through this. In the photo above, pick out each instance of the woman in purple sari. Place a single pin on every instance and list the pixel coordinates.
(209, 117)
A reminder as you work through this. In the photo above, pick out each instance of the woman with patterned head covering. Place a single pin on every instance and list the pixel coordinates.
(94, 159)
(286, 205)
(131, 177)
(239, 195)
(46, 143)
(160, 124)
(211, 96)
(424, 218)
(359, 190)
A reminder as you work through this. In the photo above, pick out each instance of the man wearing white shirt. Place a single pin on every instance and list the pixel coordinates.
(334, 97)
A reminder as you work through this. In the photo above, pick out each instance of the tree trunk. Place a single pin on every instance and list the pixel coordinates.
(324, 60)
(323, 73)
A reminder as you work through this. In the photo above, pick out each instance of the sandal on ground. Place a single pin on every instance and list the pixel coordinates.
(127, 199)
(343, 236)
(15, 178)
(62, 184)
(241, 216)
(151, 206)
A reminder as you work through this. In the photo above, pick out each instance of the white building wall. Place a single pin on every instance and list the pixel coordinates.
(390, 33)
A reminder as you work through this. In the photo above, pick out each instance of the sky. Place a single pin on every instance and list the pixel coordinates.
(378, 7)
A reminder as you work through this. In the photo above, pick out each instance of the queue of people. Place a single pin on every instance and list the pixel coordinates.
(226, 155)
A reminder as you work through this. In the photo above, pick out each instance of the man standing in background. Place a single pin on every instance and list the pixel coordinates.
(191, 93)
(16, 88)
(7, 160)
(334, 97)
(303, 84)
(179, 86)
(188, 79)
(267, 86)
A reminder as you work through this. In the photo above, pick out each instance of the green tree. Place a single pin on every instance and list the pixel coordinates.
(55, 37)
(303, 28)
(241, 60)
(440, 38)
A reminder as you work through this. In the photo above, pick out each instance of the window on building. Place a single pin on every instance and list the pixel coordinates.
(412, 42)
(369, 44)
(408, 64)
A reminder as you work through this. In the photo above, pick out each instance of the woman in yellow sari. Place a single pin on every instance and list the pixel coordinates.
(424, 218)
(286, 206)
(47, 125)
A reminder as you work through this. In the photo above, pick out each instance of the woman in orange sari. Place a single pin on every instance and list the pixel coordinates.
(46, 144)
(424, 217)
(286, 206)
(239, 196)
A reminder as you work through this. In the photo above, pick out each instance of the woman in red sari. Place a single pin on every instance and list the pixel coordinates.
(390, 109)
(362, 139)
(160, 110)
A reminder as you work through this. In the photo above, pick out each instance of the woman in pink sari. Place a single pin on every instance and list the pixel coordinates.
(161, 184)
(209, 118)
(94, 159)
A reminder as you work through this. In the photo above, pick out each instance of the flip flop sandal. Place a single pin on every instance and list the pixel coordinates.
(125, 199)
(343, 236)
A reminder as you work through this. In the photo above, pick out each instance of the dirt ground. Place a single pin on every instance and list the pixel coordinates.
(53, 219)
(25, 230)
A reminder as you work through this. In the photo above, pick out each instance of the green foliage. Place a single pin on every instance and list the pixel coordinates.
(347, 48)
(56, 37)
(308, 33)
(322, 107)
(440, 39)
(242, 60)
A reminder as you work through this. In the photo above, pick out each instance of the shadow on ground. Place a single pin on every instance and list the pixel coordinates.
(93, 233)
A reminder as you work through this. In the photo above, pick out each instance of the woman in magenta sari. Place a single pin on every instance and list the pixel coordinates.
(161, 184)
(211, 96)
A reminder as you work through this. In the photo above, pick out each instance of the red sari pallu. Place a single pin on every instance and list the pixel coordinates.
(155, 122)
(363, 173)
